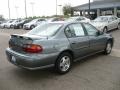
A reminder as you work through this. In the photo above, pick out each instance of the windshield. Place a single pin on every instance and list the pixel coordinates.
(101, 19)
(34, 21)
(22, 21)
(9, 21)
(48, 29)
(52, 19)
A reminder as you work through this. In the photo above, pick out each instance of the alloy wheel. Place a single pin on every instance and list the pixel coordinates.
(65, 63)
(108, 48)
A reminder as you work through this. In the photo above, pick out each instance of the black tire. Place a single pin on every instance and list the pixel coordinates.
(118, 26)
(32, 27)
(105, 30)
(108, 48)
(63, 68)
(11, 26)
(20, 27)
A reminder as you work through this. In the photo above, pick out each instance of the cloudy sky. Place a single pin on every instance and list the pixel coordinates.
(41, 7)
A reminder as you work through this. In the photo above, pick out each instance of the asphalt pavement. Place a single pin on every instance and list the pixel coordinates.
(98, 72)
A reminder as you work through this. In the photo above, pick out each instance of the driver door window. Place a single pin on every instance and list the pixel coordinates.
(97, 42)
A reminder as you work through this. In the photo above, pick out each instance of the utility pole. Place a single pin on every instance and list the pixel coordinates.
(25, 9)
(60, 9)
(56, 7)
(32, 5)
(89, 10)
(16, 7)
(9, 8)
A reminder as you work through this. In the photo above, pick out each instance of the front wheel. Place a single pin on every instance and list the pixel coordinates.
(108, 48)
(63, 63)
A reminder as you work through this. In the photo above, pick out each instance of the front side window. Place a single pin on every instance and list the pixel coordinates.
(90, 29)
(74, 30)
(114, 18)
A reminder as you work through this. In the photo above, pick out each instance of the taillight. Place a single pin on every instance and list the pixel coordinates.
(32, 48)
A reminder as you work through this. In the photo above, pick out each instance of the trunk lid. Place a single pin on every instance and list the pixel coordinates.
(16, 41)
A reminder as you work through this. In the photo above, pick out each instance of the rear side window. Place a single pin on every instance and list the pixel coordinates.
(74, 30)
(90, 29)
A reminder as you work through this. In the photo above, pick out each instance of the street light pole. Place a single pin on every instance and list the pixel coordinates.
(9, 8)
(16, 7)
(25, 9)
(32, 5)
(56, 7)
(60, 9)
(89, 10)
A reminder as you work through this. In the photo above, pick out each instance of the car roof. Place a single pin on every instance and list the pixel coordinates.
(64, 22)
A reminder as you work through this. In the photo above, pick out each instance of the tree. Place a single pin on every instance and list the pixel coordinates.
(67, 10)
(1, 18)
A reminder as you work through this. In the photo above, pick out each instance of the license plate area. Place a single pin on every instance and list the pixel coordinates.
(13, 59)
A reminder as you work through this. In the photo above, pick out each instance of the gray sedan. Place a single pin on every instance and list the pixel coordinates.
(57, 44)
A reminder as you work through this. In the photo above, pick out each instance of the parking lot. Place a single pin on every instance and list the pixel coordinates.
(98, 72)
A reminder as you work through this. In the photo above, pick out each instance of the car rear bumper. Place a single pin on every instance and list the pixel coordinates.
(31, 62)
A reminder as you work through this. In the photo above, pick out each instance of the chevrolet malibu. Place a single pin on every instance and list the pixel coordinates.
(58, 45)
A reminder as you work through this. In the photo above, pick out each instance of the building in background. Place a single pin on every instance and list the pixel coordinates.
(98, 8)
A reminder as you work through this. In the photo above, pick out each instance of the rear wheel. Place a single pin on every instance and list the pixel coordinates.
(108, 48)
(64, 63)
(105, 30)
(32, 27)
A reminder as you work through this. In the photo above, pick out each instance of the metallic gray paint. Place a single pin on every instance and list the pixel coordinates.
(53, 46)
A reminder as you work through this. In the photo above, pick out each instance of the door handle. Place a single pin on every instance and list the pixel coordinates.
(74, 42)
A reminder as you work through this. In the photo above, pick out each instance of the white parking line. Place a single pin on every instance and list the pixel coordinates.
(115, 53)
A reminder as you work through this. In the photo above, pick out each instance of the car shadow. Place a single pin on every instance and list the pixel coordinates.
(87, 60)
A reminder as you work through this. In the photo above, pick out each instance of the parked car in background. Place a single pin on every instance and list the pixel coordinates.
(40, 22)
(19, 25)
(106, 23)
(78, 19)
(4, 25)
(57, 44)
(11, 25)
(54, 19)
(33, 23)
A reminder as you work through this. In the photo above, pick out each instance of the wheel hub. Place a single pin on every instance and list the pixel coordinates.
(65, 63)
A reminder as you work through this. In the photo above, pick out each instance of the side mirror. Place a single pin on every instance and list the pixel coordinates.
(98, 33)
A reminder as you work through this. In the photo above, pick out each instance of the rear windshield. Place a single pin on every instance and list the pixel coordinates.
(47, 29)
